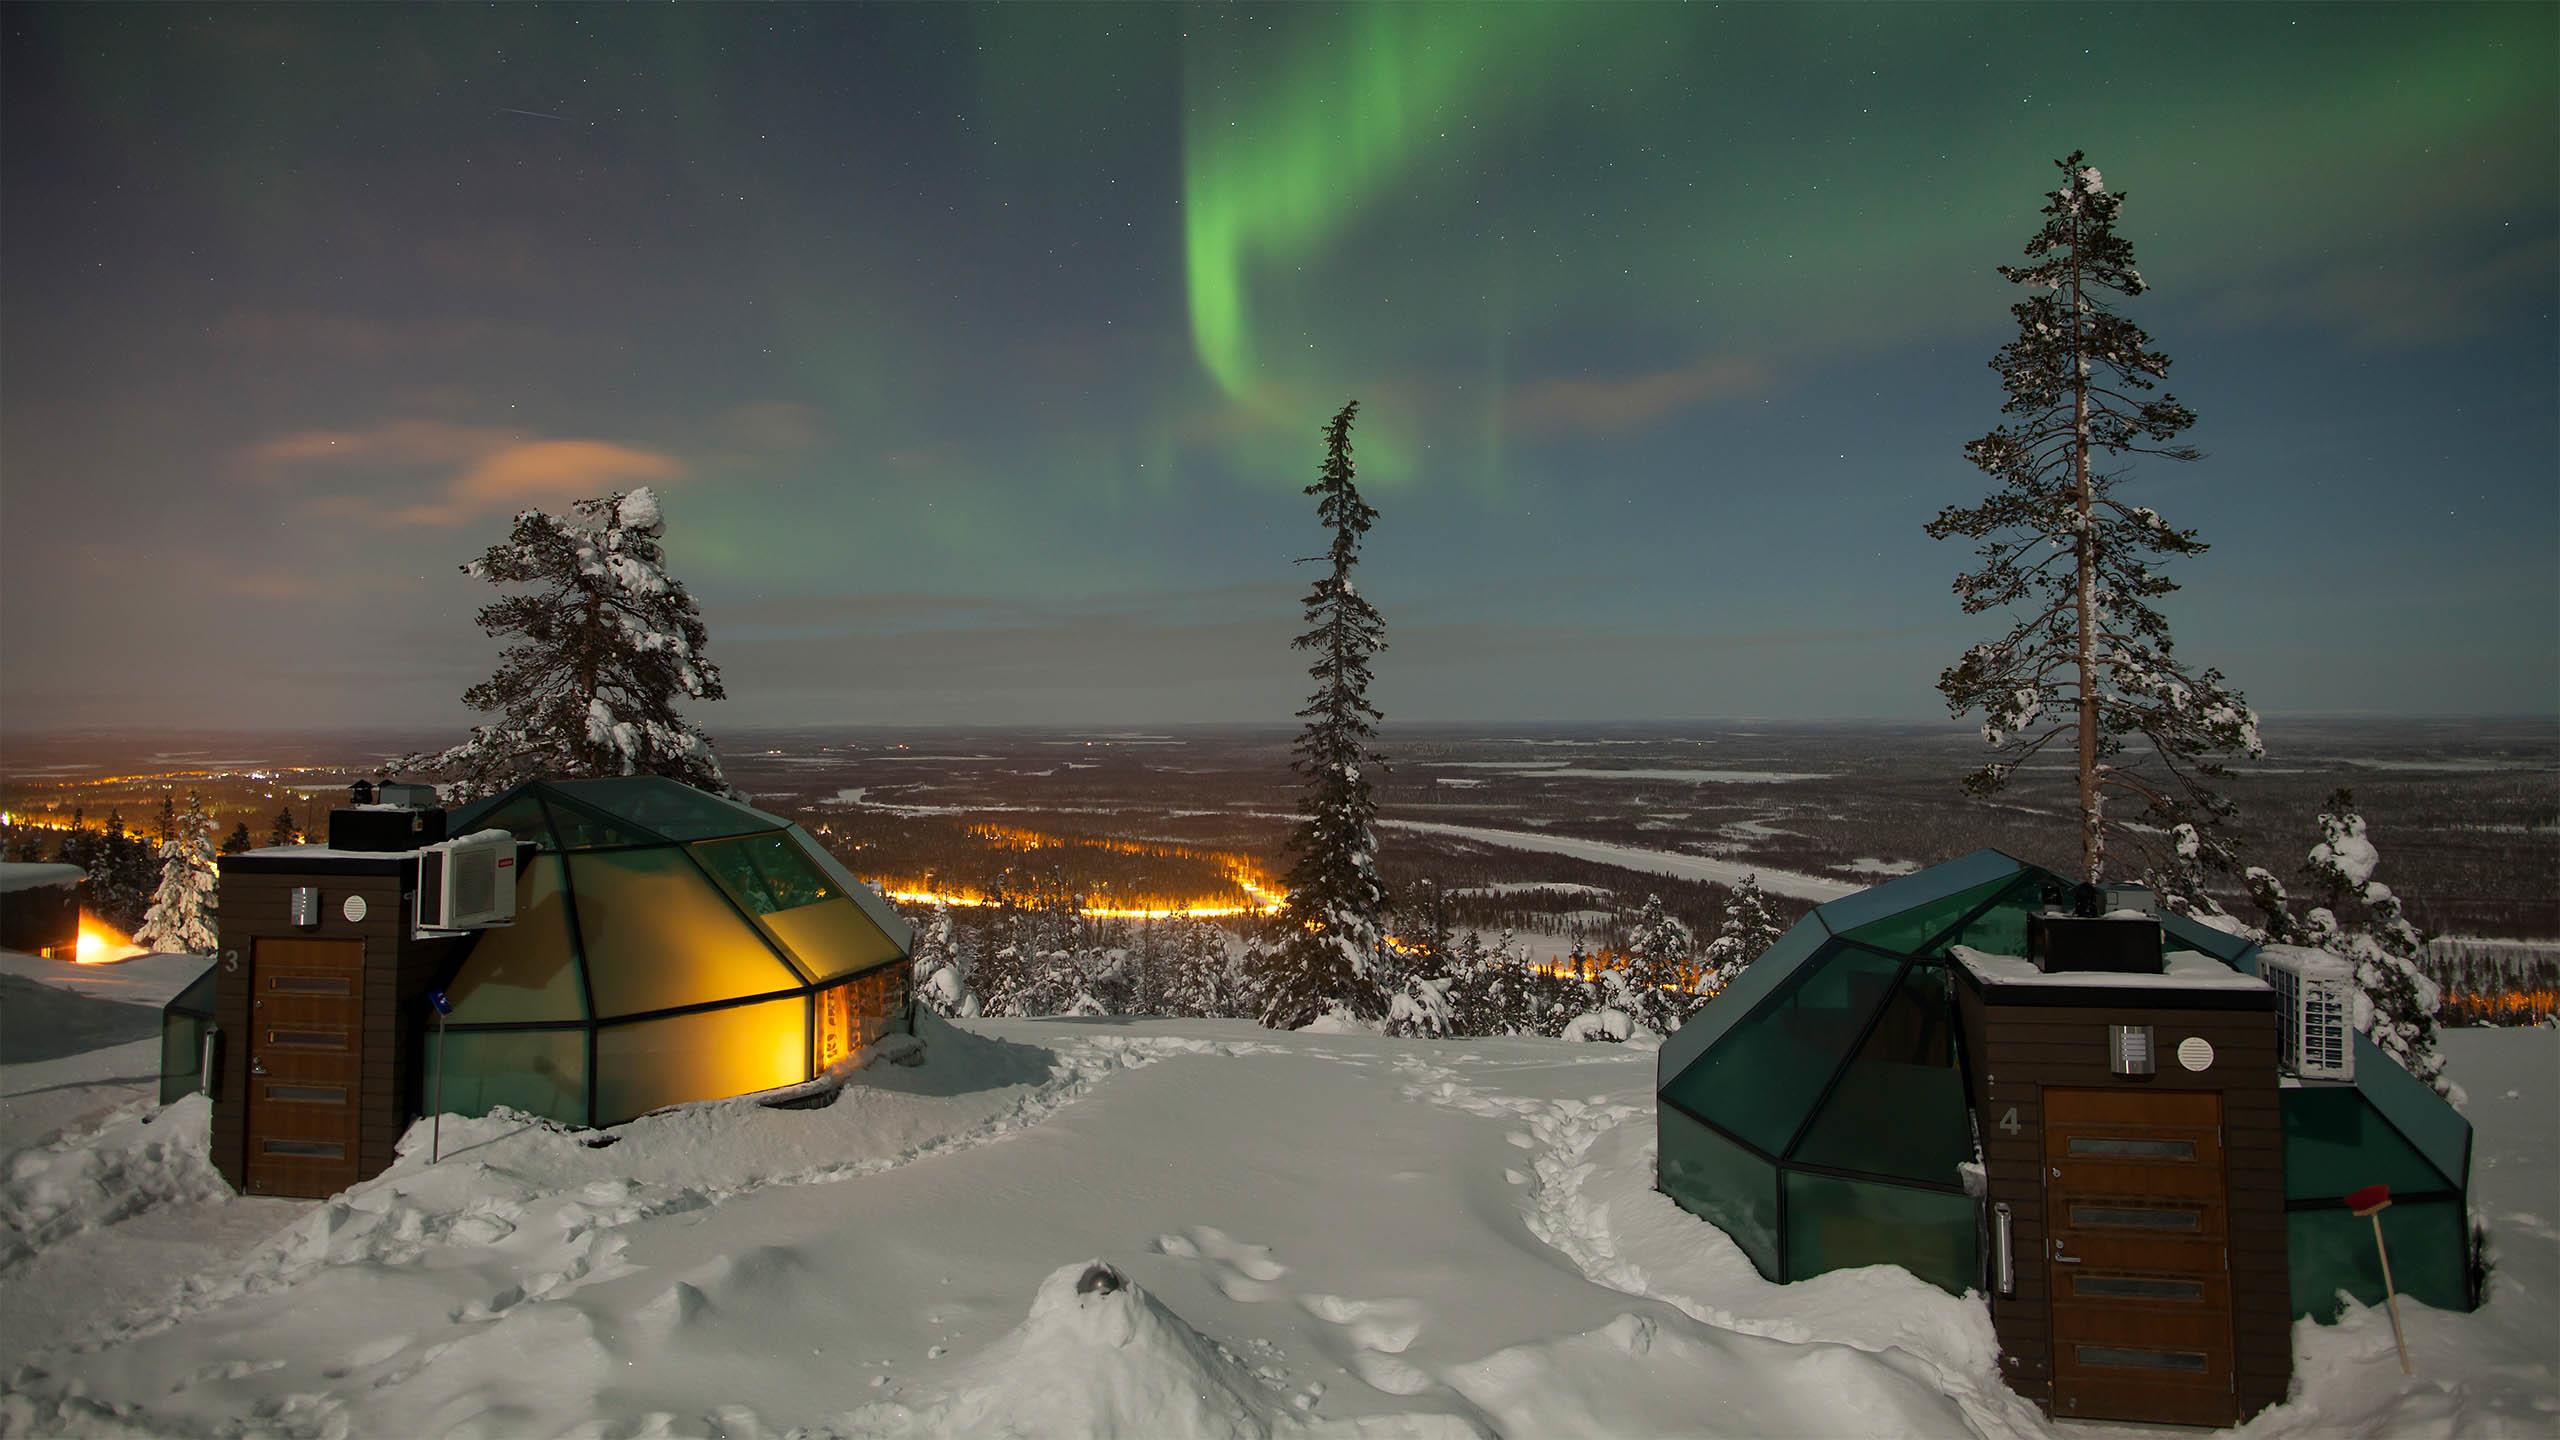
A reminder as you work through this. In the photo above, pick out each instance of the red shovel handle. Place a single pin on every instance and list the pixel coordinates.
(2369, 1199)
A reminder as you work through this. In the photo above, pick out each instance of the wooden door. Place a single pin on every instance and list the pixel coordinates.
(306, 1065)
(2138, 1248)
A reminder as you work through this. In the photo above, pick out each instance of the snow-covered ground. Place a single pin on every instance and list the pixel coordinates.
(1069, 1227)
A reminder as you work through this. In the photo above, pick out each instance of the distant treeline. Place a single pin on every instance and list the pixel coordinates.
(2495, 982)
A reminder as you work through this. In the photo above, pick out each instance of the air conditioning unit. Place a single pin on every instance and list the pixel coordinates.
(2316, 1008)
(467, 884)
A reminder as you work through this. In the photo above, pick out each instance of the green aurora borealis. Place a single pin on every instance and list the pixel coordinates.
(981, 350)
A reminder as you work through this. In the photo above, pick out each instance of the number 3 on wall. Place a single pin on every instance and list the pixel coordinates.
(2009, 1120)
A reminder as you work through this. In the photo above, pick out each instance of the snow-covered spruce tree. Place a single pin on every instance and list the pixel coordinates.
(1327, 958)
(1416, 971)
(942, 972)
(1005, 974)
(2087, 659)
(1472, 988)
(1067, 982)
(605, 644)
(1521, 994)
(1206, 983)
(1599, 1004)
(181, 919)
(1746, 934)
(2356, 918)
(1559, 992)
(1658, 969)
(123, 872)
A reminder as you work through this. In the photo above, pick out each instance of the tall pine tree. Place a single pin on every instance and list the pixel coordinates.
(605, 643)
(1327, 959)
(2087, 659)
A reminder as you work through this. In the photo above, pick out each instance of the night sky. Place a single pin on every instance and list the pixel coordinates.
(980, 354)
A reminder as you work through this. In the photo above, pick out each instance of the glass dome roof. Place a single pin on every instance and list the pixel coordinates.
(669, 945)
(1817, 1110)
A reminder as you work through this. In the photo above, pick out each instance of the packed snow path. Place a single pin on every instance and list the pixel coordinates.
(1310, 1235)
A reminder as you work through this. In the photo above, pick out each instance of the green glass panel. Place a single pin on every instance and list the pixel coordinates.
(1721, 1183)
(1733, 1004)
(816, 924)
(2177, 932)
(2413, 1108)
(2332, 1250)
(765, 873)
(182, 1053)
(883, 915)
(2002, 929)
(667, 807)
(519, 814)
(1907, 932)
(1915, 890)
(709, 1055)
(1761, 1079)
(659, 936)
(541, 1072)
(1837, 1224)
(583, 828)
(197, 998)
(1899, 1109)
(2335, 1143)
(524, 971)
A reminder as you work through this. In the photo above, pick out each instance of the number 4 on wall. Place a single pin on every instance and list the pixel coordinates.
(2009, 1121)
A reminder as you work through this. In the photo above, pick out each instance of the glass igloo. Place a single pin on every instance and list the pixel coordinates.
(668, 946)
(1818, 1111)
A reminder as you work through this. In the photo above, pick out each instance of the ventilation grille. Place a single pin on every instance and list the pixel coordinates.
(475, 880)
(2315, 1004)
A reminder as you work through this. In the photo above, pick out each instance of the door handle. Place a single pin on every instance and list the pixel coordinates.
(2061, 1259)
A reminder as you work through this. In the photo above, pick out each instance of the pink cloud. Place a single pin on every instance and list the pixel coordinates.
(538, 473)
(484, 470)
(1629, 402)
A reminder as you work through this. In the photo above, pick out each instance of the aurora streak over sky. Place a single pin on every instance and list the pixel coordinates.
(980, 353)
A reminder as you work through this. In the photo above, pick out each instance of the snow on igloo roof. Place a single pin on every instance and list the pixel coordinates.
(16, 876)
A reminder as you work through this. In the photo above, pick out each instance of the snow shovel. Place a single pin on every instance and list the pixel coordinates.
(2371, 1201)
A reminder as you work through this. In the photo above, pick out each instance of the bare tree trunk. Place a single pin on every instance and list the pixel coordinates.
(2092, 803)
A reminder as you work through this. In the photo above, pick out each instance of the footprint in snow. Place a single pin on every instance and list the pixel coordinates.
(1241, 1271)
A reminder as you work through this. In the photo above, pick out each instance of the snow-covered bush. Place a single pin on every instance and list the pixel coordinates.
(942, 970)
(2355, 917)
(1746, 934)
(182, 912)
(1658, 976)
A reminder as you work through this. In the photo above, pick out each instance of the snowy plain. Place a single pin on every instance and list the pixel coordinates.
(1298, 1235)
